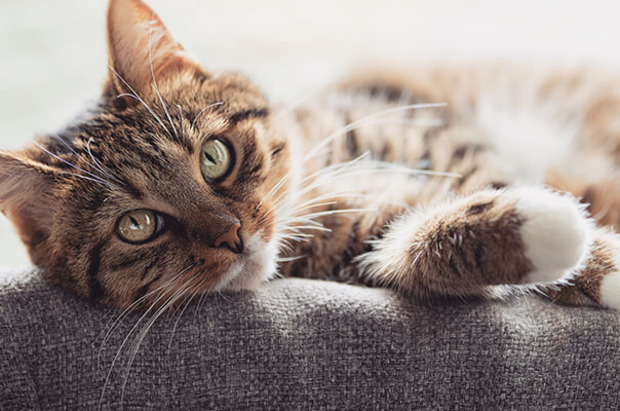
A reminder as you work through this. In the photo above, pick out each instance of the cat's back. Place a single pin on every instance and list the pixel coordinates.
(533, 116)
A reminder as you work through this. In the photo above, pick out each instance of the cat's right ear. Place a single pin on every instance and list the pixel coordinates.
(141, 50)
(26, 188)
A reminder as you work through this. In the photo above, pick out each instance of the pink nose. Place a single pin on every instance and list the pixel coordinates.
(231, 239)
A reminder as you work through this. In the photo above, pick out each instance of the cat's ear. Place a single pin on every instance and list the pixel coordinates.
(26, 197)
(141, 49)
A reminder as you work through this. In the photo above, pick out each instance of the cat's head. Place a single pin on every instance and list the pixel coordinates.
(169, 186)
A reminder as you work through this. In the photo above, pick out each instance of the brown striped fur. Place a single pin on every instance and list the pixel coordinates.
(467, 233)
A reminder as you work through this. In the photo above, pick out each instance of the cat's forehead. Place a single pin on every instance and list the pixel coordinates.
(234, 91)
(185, 104)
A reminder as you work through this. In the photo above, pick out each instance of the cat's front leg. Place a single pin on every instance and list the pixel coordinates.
(597, 280)
(461, 246)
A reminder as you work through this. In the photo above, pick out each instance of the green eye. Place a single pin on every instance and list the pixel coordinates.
(215, 160)
(139, 226)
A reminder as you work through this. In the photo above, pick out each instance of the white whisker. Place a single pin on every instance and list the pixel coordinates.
(186, 302)
(363, 120)
(275, 188)
(135, 326)
(307, 227)
(289, 259)
(62, 140)
(99, 165)
(142, 335)
(192, 127)
(312, 204)
(181, 119)
(94, 180)
(92, 177)
(151, 30)
(137, 97)
(339, 211)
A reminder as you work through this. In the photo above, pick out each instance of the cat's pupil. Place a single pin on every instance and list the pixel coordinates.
(134, 223)
(209, 158)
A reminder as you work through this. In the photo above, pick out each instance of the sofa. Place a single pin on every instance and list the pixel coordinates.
(303, 345)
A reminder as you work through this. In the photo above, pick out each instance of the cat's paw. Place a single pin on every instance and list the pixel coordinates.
(556, 232)
(610, 283)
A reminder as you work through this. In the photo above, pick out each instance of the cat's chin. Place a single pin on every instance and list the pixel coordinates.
(255, 267)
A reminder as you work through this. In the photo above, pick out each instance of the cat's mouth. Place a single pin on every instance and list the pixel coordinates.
(255, 265)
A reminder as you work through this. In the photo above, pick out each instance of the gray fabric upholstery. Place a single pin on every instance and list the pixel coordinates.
(300, 344)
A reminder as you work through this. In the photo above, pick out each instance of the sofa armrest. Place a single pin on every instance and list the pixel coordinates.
(302, 344)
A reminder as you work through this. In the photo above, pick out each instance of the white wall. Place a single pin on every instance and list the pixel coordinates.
(53, 52)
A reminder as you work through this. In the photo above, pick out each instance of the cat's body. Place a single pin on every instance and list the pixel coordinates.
(185, 181)
(504, 128)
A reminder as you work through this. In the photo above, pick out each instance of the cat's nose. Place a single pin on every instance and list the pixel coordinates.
(231, 239)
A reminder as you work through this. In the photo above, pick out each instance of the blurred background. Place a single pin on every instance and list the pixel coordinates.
(53, 56)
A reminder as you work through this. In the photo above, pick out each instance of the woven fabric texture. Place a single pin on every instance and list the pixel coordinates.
(300, 345)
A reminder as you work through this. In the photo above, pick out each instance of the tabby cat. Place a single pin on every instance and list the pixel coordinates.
(184, 181)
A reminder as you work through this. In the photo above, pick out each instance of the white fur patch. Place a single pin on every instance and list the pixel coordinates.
(389, 257)
(556, 232)
(530, 134)
(256, 266)
(610, 284)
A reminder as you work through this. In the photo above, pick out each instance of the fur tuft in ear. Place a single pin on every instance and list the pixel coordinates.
(26, 198)
(140, 48)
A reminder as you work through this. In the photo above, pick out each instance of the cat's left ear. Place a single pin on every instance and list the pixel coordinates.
(26, 188)
(141, 49)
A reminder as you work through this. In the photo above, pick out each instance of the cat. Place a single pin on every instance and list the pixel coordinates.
(185, 181)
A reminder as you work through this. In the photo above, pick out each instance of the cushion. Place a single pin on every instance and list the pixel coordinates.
(303, 344)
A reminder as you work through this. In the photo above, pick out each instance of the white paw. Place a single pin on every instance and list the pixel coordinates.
(610, 284)
(556, 232)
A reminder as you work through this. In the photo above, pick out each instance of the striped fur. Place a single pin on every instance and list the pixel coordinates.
(368, 182)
